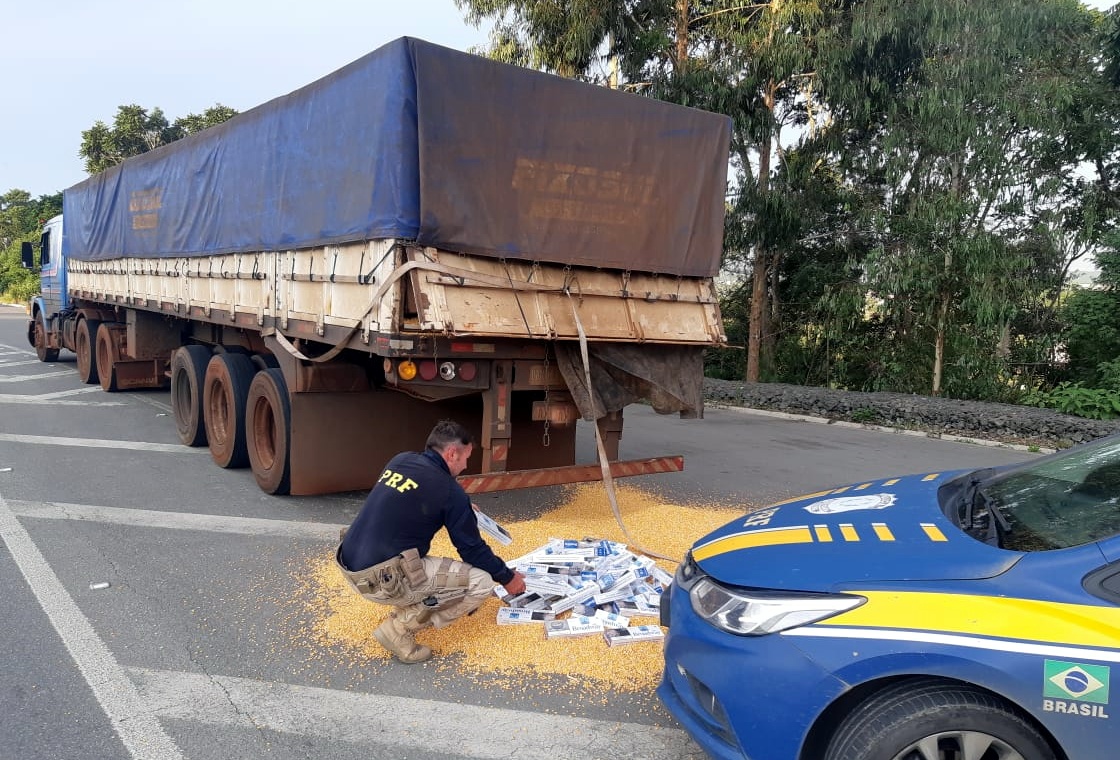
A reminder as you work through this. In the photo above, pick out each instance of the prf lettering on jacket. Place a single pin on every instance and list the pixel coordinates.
(397, 481)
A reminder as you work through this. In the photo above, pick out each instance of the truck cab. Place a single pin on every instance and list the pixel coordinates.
(52, 297)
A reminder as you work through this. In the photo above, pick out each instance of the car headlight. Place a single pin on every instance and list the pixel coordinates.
(756, 613)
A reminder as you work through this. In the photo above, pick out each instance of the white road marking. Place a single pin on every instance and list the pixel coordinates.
(146, 399)
(5, 364)
(71, 392)
(53, 400)
(96, 443)
(150, 518)
(41, 376)
(430, 726)
(131, 718)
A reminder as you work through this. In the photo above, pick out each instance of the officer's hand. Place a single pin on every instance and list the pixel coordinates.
(516, 584)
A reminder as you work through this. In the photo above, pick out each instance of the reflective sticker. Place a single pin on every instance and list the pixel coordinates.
(882, 531)
(851, 503)
(767, 537)
(933, 532)
(1072, 680)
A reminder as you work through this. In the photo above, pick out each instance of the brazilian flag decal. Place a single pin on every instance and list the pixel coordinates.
(1072, 680)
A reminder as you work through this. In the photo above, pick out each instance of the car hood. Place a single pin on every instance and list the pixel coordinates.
(885, 530)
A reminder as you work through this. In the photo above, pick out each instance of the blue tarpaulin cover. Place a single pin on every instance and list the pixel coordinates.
(425, 143)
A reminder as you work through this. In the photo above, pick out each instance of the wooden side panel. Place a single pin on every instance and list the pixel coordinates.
(367, 284)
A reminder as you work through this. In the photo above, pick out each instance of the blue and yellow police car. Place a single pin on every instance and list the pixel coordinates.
(940, 616)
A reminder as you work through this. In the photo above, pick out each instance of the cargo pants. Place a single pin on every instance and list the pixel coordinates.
(438, 590)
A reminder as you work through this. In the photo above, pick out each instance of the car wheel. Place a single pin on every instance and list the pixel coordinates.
(935, 720)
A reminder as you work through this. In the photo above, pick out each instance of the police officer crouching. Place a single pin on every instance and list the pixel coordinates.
(384, 552)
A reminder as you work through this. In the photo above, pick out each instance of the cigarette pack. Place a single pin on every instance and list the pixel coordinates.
(572, 627)
(630, 608)
(662, 577)
(617, 593)
(587, 608)
(491, 528)
(513, 616)
(551, 556)
(611, 620)
(610, 582)
(548, 585)
(522, 600)
(576, 543)
(551, 570)
(579, 596)
(633, 634)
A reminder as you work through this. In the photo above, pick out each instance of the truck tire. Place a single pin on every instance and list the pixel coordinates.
(105, 352)
(188, 373)
(931, 718)
(44, 353)
(85, 344)
(268, 422)
(225, 390)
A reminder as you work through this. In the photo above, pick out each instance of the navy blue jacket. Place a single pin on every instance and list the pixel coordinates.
(415, 497)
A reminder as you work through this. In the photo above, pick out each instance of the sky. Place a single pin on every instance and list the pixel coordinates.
(69, 63)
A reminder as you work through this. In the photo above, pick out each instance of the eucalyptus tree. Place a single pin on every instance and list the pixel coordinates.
(756, 63)
(949, 115)
(137, 130)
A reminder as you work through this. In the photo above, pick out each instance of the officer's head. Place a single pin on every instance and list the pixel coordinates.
(453, 442)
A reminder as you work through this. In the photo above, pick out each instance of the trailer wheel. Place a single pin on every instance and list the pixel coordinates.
(268, 421)
(44, 353)
(225, 389)
(188, 373)
(106, 357)
(85, 343)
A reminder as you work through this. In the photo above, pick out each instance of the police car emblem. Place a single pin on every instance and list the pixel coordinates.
(851, 503)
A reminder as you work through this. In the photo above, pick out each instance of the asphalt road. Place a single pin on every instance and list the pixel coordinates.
(185, 656)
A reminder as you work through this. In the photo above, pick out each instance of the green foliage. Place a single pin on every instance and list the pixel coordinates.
(21, 218)
(135, 130)
(1092, 335)
(940, 120)
(864, 415)
(727, 363)
(1074, 398)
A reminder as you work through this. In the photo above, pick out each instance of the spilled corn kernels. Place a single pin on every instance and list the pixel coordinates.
(341, 619)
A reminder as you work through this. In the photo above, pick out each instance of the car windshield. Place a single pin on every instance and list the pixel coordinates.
(1063, 500)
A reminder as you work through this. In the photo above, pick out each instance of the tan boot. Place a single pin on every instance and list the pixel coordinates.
(395, 637)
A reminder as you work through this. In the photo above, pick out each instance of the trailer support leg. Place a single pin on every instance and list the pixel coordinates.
(496, 428)
(610, 428)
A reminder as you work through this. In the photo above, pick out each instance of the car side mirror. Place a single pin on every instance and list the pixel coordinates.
(27, 255)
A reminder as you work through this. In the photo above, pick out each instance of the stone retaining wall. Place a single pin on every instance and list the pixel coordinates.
(1007, 423)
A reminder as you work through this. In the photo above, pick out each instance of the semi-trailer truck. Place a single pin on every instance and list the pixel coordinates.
(421, 234)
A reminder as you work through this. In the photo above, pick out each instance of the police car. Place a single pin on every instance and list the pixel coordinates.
(940, 616)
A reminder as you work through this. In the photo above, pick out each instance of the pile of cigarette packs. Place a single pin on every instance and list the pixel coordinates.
(587, 587)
